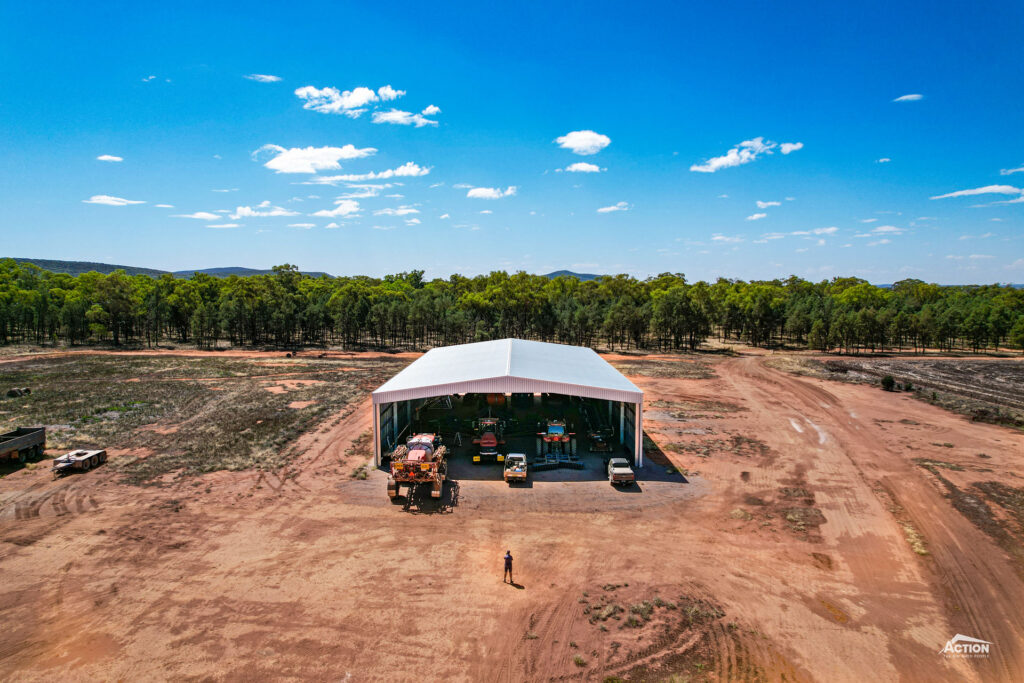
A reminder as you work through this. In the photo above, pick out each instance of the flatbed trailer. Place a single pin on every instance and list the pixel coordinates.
(27, 444)
(80, 460)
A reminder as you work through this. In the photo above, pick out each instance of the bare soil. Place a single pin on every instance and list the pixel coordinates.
(821, 539)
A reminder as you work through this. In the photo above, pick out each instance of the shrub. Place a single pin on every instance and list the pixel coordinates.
(578, 660)
(888, 383)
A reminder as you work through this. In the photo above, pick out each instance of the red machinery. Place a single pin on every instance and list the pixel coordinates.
(490, 433)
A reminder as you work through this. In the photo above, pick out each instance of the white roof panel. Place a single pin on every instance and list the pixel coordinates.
(509, 366)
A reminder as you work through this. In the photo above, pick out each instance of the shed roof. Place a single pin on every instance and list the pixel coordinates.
(509, 366)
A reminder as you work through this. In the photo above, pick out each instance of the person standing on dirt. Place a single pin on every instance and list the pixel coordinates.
(508, 567)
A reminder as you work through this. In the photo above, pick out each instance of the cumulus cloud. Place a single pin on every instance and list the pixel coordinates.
(412, 221)
(756, 216)
(224, 225)
(262, 78)
(342, 208)
(304, 226)
(620, 206)
(445, 216)
(988, 189)
(387, 93)
(913, 97)
(743, 153)
(765, 205)
(110, 201)
(200, 216)
(406, 170)
(402, 118)
(581, 167)
(583, 142)
(351, 103)
(719, 237)
(261, 210)
(883, 160)
(399, 211)
(109, 157)
(431, 109)
(309, 159)
(491, 192)
(787, 147)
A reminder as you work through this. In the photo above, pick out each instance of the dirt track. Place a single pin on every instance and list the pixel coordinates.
(309, 573)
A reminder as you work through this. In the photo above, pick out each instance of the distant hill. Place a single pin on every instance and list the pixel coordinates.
(569, 273)
(236, 270)
(79, 267)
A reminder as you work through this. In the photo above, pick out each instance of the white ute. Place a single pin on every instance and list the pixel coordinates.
(620, 473)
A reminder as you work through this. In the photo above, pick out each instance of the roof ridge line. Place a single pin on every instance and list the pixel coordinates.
(508, 359)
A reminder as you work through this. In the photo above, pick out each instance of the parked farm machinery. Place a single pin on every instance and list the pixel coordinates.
(490, 435)
(422, 460)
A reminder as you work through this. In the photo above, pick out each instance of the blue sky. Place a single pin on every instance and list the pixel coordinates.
(404, 136)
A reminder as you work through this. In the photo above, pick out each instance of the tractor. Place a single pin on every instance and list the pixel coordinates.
(422, 460)
(490, 434)
(555, 438)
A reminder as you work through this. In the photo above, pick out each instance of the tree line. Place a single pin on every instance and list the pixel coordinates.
(288, 309)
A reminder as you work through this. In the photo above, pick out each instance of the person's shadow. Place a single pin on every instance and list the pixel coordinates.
(517, 585)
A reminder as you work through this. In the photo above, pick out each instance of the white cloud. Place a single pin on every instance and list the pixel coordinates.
(773, 236)
(984, 236)
(913, 97)
(262, 78)
(988, 189)
(719, 237)
(883, 160)
(110, 201)
(869, 220)
(756, 216)
(109, 157)
(881, 241)
(891, 229)
(383, 227)
(200, 215)
(406, 170)
(332, 101)
(387, 93)
(979, 257)
(787, 147)
(743, 153)
(790, 199)
(343, 207)
(583, 142)
(445, 216)
(620, 206)
(147, 79)
(723, 196)
(486, 212)
(412, 221)
(305, 226)
(164, 206)
(233, 189)
(582, 167)
(400, 211)
(402, 118)
(1011, 171)
(431, 109)
(765, 205)
(310, 159)
(1018, 264)
(224, 225)
(332, 225)
(491, 192)
(261, 210)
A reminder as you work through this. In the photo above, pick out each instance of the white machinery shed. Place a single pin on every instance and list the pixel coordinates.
(506, 366)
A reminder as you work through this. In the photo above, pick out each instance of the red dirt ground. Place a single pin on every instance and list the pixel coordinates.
(309, 572)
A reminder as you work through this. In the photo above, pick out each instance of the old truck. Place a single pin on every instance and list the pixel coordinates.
(490, 435)
(556, 438)
(24, 443)
(620, 473)
(515, 468)
(79, 460)
(422, 460)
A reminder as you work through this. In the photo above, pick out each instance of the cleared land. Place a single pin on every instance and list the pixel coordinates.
(826, 531)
